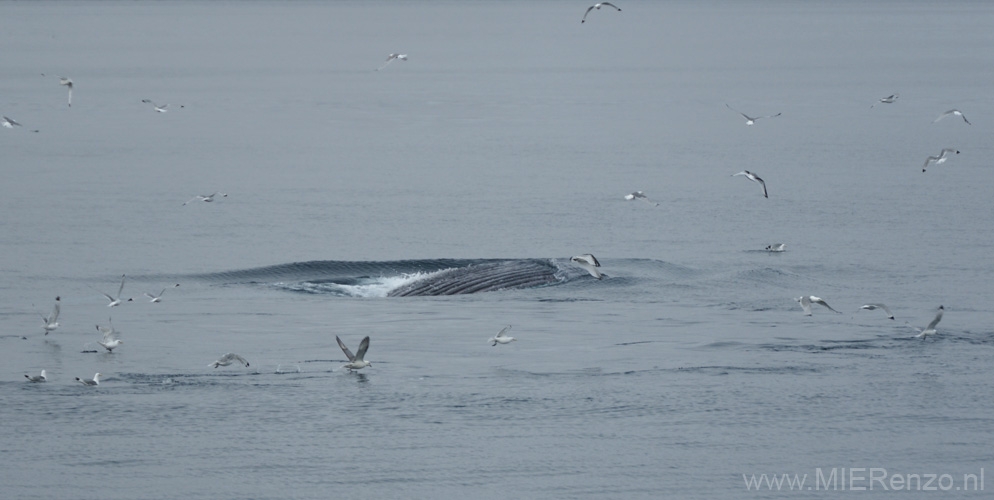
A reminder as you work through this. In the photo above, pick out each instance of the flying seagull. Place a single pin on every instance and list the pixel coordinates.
(588, 262)
(209, 198)
(111, 338)
(68, 83)
(943, 156)
(390, 59)
(598, 7)
(639, 195)
(755, 178)
(871, 307)
(355, 360)
(52, 322)
(90, 381)
(37, 378)
(156, 107)
(953, 112)
(887, 100)
(751, 119)
(502, 337)
(807, 300)
(9, 123)
(116, 301)
(158, 298)
(930, 329)
(227, 359)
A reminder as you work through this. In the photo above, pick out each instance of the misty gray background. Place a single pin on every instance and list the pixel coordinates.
(513, 131)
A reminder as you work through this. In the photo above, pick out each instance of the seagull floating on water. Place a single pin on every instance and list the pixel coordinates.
(116, 301)
(37, 378)
(952, 112)
(111, 338)
(9, 123)
(598, 7)
(228, 359)
(776, 247)
(156, 107)
(355, 360)
(871, 307)
(209, 198)
(90, 381)
(755, 178)
(158, 298)
(52, 322)
(930, 329)
(390, 59)
(943, 156)
(639, 195)
(887, 100)
(502, 337)
(807, 300)
(750, 119)
(588, 262)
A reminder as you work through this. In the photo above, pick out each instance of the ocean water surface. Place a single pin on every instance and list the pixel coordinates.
(434, 202)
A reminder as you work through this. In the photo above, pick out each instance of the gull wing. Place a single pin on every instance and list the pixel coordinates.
(886, 309)
(348, 353)
(55, 313)
(121, 288)
(503, 332)
(747, 117)
(110, 334)
(765, 194)
(611, 5)
(587, 12)
(363, 347)
(805, 304)
(931, 326)
(821, 301)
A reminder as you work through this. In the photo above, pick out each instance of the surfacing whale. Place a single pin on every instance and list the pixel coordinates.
(405, 278)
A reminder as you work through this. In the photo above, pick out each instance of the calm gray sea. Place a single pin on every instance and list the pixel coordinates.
(509, 138)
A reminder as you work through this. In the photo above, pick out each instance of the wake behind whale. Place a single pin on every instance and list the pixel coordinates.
(407, 278)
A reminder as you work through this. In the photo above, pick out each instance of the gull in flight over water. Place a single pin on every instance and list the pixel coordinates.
(52, 322)
(943, 156)
(955, 112)
(588, 262)
(751, 119)
(776, 247)
(755, 178)
(355, 360)
(209, 198)
(227, 359)
(90, 381)
(598, 7)
(158, 298)
(68, 83)
(930, 329)
(886, 100)
(111, 338)
(390, 59)
(116, 301)
(37, 378)
(639, 195)
(807, 300)
(160, 109)
(502, 337)
(9, 123)
(871, 307)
